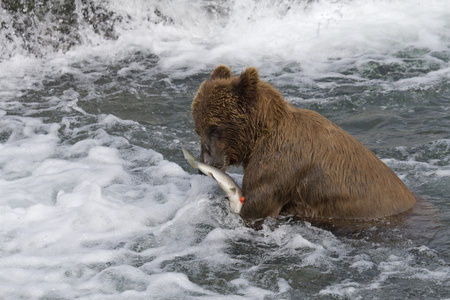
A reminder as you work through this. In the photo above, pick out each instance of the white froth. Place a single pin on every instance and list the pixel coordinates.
(166, 169)
(300, 242)
(84, 213)
(321, 38)
(110, 120)
(172, 285)
(346, 290)
(362, 263)
(251, 33)
(58, 214)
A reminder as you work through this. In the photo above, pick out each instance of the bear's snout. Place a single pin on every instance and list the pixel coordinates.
(213, 159)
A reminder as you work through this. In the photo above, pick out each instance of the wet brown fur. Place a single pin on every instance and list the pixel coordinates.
(296, 162)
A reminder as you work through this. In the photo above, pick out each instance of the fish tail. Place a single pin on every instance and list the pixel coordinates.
(190, 159)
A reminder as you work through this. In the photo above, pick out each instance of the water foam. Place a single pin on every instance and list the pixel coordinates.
(85, 212)
(321, 37)
(62, 205)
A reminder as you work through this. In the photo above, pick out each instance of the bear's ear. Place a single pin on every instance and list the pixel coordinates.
(221, 72)
(248, 80)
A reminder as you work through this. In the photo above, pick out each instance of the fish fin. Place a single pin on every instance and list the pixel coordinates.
(233, 189)
(211, 175)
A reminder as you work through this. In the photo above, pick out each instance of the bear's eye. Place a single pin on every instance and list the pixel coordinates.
(214, 131)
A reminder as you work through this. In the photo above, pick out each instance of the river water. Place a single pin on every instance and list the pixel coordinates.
(97, 202)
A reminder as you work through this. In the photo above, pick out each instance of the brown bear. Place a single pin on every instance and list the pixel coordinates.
(296, 162)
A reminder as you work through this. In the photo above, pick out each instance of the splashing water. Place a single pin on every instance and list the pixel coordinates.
(96, 200)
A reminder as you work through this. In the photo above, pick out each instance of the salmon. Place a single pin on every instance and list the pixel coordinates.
(232, 190)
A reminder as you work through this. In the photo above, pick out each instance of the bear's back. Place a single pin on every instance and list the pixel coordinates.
(344, 179)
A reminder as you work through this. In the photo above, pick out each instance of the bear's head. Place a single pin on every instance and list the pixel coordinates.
(223, 114)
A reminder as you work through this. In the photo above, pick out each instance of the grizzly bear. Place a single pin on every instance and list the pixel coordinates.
(296, 162)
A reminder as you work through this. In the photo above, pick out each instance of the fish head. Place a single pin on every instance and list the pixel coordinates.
(236, 200)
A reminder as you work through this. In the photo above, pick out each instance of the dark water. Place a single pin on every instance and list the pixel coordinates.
(97, 202)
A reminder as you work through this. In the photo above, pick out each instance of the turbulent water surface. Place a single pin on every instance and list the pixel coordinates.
(97, 202)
